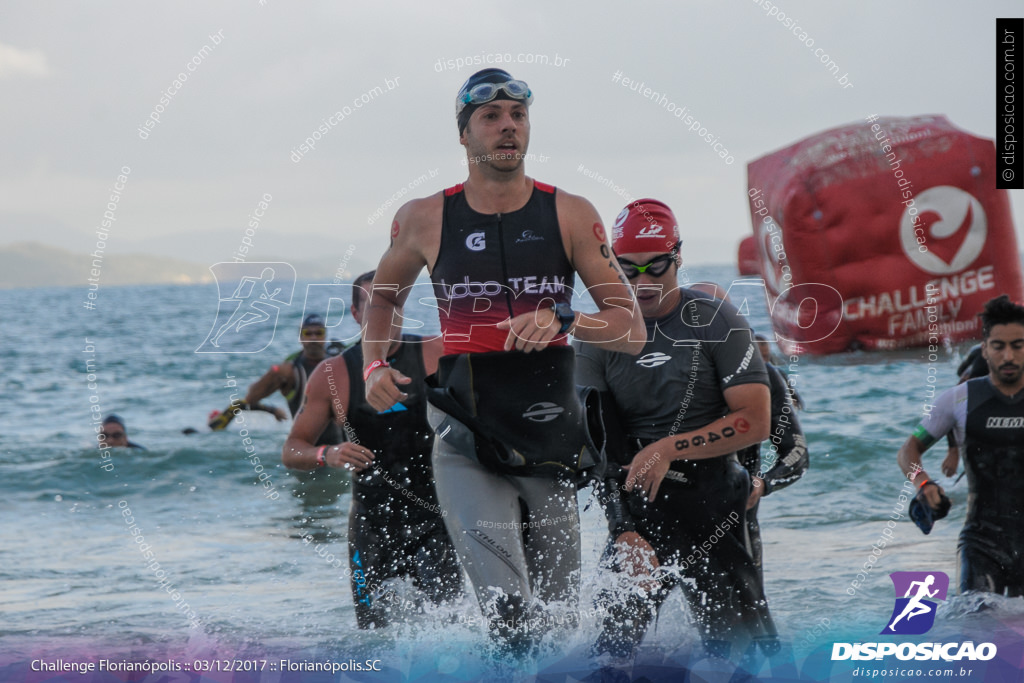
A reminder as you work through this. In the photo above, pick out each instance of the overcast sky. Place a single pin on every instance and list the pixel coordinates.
(79, 79)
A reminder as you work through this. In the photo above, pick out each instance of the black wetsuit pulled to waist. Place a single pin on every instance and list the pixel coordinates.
(694, 494)
(525, 411)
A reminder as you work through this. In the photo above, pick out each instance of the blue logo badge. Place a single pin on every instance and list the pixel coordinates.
(397, 408)
(914, 613)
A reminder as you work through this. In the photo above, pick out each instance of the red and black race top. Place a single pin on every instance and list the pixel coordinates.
(494, 266)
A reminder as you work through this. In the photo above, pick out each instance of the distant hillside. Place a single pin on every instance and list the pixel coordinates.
(29, 264)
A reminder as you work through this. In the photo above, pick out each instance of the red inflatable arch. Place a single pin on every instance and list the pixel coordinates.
(883, 234)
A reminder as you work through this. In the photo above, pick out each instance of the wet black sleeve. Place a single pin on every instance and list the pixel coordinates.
(787, 453)
(974, 365)
(750, 458)
(590, 373)
(589, 366)
(731, 345)
(609, 492)
(613, 500)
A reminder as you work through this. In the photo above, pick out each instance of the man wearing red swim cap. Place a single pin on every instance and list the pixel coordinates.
(696, 394)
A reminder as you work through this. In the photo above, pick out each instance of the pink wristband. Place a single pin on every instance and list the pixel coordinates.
(321, 459)
(373, 366)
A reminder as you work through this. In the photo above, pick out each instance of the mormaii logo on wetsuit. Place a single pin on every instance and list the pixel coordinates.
(543, 412)
(917, 594)
(653, 360)
(943, 230)
(1005, 423)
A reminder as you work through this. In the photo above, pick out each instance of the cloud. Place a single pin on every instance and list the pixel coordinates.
(15, 62)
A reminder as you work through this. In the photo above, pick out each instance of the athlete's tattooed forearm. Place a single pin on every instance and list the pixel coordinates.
(606, 253)
(701, 440)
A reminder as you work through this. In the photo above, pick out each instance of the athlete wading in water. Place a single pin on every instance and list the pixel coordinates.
(986, 416)
(696, 394)
(395, 529)
(502, 251)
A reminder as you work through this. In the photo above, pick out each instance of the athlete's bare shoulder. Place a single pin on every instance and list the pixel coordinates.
(417, 227)
(578, 221)
(572, 203)
(324, 380)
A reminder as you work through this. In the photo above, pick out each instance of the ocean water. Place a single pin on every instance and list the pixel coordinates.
(255, 566)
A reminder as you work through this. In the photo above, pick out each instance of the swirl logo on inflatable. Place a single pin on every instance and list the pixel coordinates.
(949, 232)
(772, 254)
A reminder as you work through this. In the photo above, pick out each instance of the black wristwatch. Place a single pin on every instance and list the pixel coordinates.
(565, 315)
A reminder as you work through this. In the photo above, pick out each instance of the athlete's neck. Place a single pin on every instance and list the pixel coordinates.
(1010, 390)
(666, 306)
(490, 195)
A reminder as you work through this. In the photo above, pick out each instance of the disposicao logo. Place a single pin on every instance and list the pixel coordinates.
(917, 594)
(914, 613)
(250, 297)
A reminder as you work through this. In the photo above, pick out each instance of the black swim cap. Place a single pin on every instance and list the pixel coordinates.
(464, 109)
(114, 419)
(313, 320)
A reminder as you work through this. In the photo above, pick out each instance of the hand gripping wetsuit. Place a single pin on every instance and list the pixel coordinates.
(517, 536)
(990, 425)
(695, 524)
(787, 454)
(395, 528)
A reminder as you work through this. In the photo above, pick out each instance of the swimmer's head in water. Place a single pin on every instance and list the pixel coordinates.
(485, 86)
(113, 419)
(114, 431)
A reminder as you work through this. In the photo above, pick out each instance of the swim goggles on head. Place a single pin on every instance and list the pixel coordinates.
(485, 92)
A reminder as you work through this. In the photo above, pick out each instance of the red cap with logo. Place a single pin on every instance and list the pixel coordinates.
(645, 225)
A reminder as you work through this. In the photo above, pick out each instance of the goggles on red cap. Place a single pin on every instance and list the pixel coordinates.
(656, 267)
(644, 226)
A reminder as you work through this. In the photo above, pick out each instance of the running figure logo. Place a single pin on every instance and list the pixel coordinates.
(914, 613)
(247, 317)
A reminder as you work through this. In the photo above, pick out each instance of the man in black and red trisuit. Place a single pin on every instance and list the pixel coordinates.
(502, 250)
